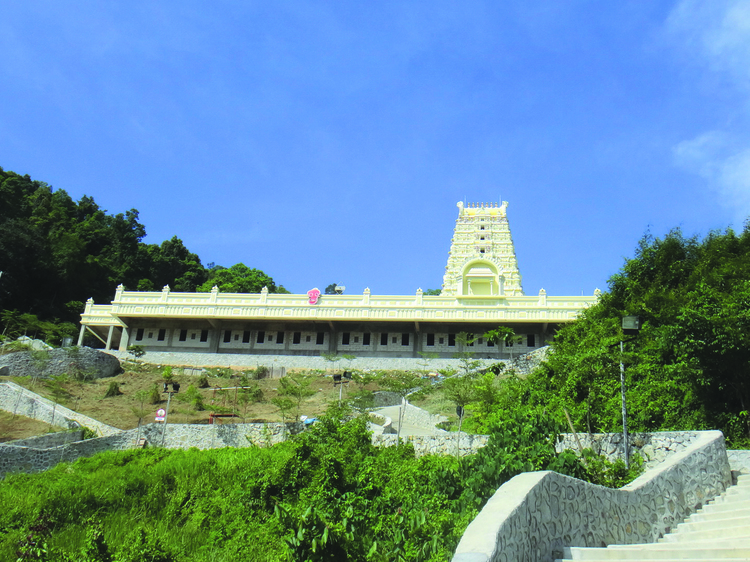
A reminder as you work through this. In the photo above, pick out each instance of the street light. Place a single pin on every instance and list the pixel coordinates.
(175, 390)
(630, 327)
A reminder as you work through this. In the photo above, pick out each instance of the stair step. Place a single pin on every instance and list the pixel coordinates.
(726, 505)
(740, 531)
(643, 552)
(676, 558)
(713, 524)
(718, 515)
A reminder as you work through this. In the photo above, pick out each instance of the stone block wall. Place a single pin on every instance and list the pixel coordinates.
(534, 515)
(49, 440)
(652, 447)
(15, 457)
(435, 444)
(421, 418)
(18, 400)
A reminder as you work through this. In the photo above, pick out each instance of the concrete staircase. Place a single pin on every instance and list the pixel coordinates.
(718, 531)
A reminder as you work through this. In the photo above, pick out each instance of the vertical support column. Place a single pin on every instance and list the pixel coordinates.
(109, 338)
(214, 335)
(124, 339)
(80, 335)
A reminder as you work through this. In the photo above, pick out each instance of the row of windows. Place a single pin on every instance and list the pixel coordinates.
(346, 338)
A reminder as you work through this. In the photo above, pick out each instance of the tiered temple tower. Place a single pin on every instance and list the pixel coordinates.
(482, 260)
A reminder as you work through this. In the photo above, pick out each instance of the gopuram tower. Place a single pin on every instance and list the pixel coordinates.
(482, 261)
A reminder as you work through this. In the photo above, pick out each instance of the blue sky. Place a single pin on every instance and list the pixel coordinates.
(330, 141)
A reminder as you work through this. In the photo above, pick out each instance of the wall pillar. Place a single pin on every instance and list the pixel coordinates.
(124, 339)
(80, 335)
(108, 346)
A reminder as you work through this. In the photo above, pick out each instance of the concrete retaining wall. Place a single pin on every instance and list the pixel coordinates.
(18, 400)
(652, 447)
(534, 515)
(15, 457)
(435, 444)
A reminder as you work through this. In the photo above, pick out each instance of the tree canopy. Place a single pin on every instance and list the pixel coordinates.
(689, 368)
(55, 253)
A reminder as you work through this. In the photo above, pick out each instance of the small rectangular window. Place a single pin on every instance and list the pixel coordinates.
(227, 336)
(345, 338)
(192, 336)
(246, 336)
(279, 337)
(490, 343)
(139, 334)
(530, 340)
(430, 339)
(297, 337)
(441, 341)
(204, 335)
(394, 339)
(404, 339)
(356, 339)
(452, 340)
(236, 337)
(366, 338)
(384, 339)
(320, 338)
(150, 335)
(261, 337)
(162, 334)
(183, 335)
(308, 339)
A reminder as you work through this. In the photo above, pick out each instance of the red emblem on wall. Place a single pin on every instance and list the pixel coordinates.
(313, 295)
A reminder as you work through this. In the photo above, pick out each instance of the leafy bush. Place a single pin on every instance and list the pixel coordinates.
(262, 372)
(154, 396)
(113, 389)
(203, 381)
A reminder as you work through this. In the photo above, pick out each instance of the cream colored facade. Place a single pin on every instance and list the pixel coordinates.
(481, 291)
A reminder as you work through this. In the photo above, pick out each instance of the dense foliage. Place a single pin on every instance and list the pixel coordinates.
(326, 495)
(689, 368)
(56, 252)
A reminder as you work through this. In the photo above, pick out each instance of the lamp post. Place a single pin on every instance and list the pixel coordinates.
(630, 327)
(175, 390)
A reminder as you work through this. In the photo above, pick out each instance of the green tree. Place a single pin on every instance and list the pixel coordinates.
(238, 279)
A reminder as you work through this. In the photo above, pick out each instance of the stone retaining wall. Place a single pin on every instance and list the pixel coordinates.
(652, 447)
(422, 418)
(15, 457)
(534, 515)
(435, 444)
(18, 400)
(239, 360)
(49, 440)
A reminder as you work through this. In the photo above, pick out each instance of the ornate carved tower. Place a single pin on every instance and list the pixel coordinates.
(482, 260)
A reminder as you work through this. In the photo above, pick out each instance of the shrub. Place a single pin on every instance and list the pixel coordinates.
(154, 396)
(113, 390)
(262, 372)
(203, 381)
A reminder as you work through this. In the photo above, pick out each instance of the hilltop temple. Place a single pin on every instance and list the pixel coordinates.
(481, 291)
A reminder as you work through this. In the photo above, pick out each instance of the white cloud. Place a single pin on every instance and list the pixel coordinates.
(715, 34)
(718, 32)
(724, 163)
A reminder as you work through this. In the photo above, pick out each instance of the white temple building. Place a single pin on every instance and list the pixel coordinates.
(481, 291)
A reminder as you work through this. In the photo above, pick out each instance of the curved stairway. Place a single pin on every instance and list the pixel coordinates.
(718, 531)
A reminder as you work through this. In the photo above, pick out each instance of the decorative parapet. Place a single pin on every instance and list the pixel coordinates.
(534, 515)
(382, 308)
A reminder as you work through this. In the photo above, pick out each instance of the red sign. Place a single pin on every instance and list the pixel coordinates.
(313, 295)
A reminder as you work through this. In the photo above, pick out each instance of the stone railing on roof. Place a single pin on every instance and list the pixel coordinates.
(168, 304)
(534, 515)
